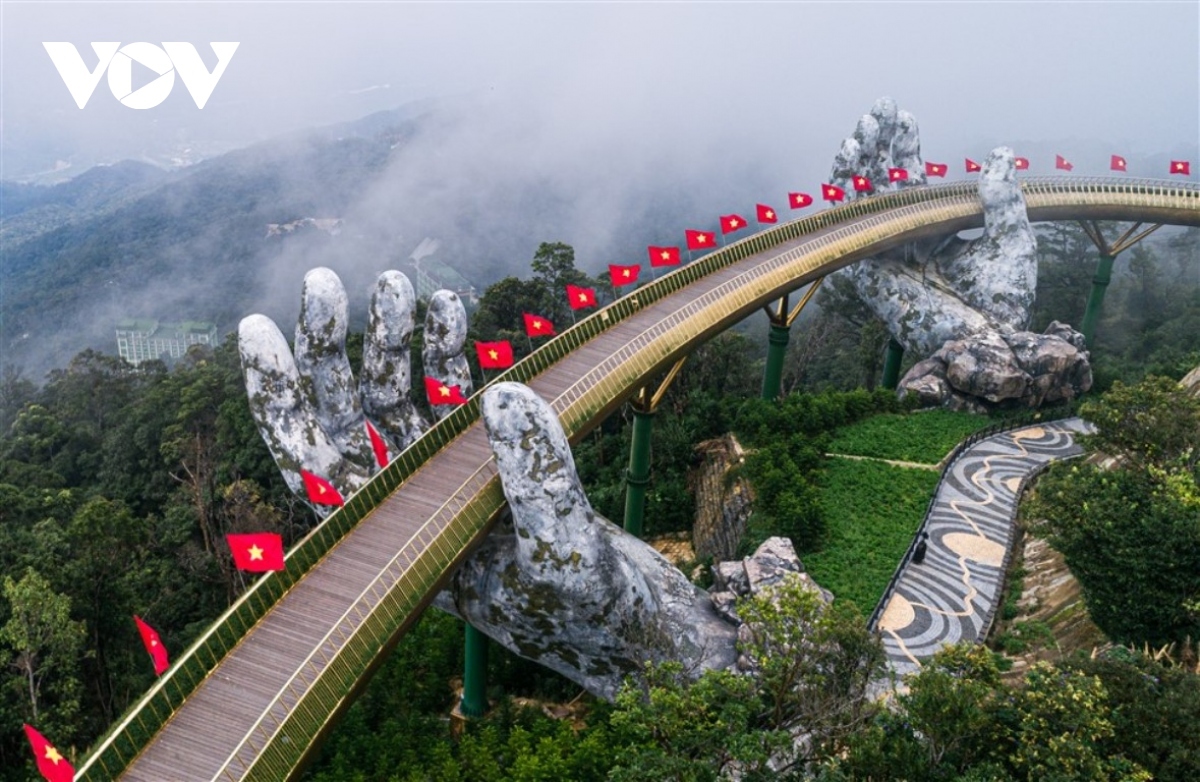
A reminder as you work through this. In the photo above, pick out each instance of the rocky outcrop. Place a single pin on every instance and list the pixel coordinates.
(988, 369)
(723, 501)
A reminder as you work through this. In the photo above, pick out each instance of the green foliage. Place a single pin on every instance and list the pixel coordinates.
(1131, 534)
(924, 437)
(873, 511)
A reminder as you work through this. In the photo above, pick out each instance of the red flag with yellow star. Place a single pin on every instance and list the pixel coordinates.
(700, 240)
(1117, 163)
(537, 326)
(972, 166)
(378, 445)
(765, 214)
(153, 644)
(936, 169)
(832, 193)
(861, 184)
(731, 223)
(1062, 164)
(1021, 163)
(663, 256)
(799, 200)
(51, 765)
(320, 491)
(1181, 167)
(897, 174)
(256, 552)
(580, 298)
(440, 393)
(494, 355)
(623, 275)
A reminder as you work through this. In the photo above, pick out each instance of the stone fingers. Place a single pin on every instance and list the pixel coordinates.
(386, 377)
(283, 412)
(442, 352)
(324, 368)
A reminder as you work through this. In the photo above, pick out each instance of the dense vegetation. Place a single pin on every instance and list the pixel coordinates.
(924, 439)
(117, 485)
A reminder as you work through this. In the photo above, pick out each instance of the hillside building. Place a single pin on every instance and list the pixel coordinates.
(146, 340)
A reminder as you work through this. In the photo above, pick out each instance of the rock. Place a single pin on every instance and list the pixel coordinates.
(731, 576)
(984, 366)
(722, 505)
(770, 563)
(1191, 381)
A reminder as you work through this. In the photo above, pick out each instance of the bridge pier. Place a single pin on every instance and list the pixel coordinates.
(474, 697)
(891, 364)
(777, 340)
(1103, 276)
(638, 476)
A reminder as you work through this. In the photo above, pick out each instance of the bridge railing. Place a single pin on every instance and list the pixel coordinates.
(143, 719)
(1007, 425)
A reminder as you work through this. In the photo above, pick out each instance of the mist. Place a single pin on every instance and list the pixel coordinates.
(605, 126)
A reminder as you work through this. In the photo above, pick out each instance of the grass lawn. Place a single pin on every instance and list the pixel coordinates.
(872, 511)
(923, 437)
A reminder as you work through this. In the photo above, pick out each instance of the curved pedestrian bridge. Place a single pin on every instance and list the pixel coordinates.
(252, 698)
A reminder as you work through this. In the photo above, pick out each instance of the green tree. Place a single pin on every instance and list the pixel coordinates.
(42, 644)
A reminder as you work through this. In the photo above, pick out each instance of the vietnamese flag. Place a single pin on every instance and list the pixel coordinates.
(320, 491)
(623, 275)
(972, 166)
(1022, 163)
(441, 394)
(731, 223)
(51, 765)
(700, 240)
(832, 193)
(1181, 167)
(1061, 162)
(494, 355)
(153, 644)
(799, 200)
(862, 184)
(257, 552)
(897, 174)
(537, 326)
(1117, 163)
(378, 445)
(765, 214)
(936, 169)
(663, 256)
(579, 298)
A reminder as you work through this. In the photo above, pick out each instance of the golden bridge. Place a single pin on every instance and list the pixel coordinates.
(254, 696)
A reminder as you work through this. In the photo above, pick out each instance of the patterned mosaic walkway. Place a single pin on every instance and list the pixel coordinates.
(952, 595)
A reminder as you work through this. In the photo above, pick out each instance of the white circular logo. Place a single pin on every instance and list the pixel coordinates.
(120, 75)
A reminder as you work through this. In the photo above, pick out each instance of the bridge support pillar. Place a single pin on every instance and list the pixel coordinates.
(891, 364)
(474, 697)
(777, 343)
(1099, 284)
(638, 477)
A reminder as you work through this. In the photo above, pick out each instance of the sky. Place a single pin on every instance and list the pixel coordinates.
(602, 124)
(681, 79)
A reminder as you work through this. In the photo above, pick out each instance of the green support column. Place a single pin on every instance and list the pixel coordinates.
(1096, 298)
(638, 476)
(891, 364)
(777, 342)
(474, 698)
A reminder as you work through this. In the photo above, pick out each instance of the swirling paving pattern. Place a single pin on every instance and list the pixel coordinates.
(952, 595)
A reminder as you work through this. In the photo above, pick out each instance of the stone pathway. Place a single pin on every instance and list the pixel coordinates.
(953, 594)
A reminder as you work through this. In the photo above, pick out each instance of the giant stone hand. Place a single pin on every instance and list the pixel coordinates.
(963, 304)
(555, 583)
